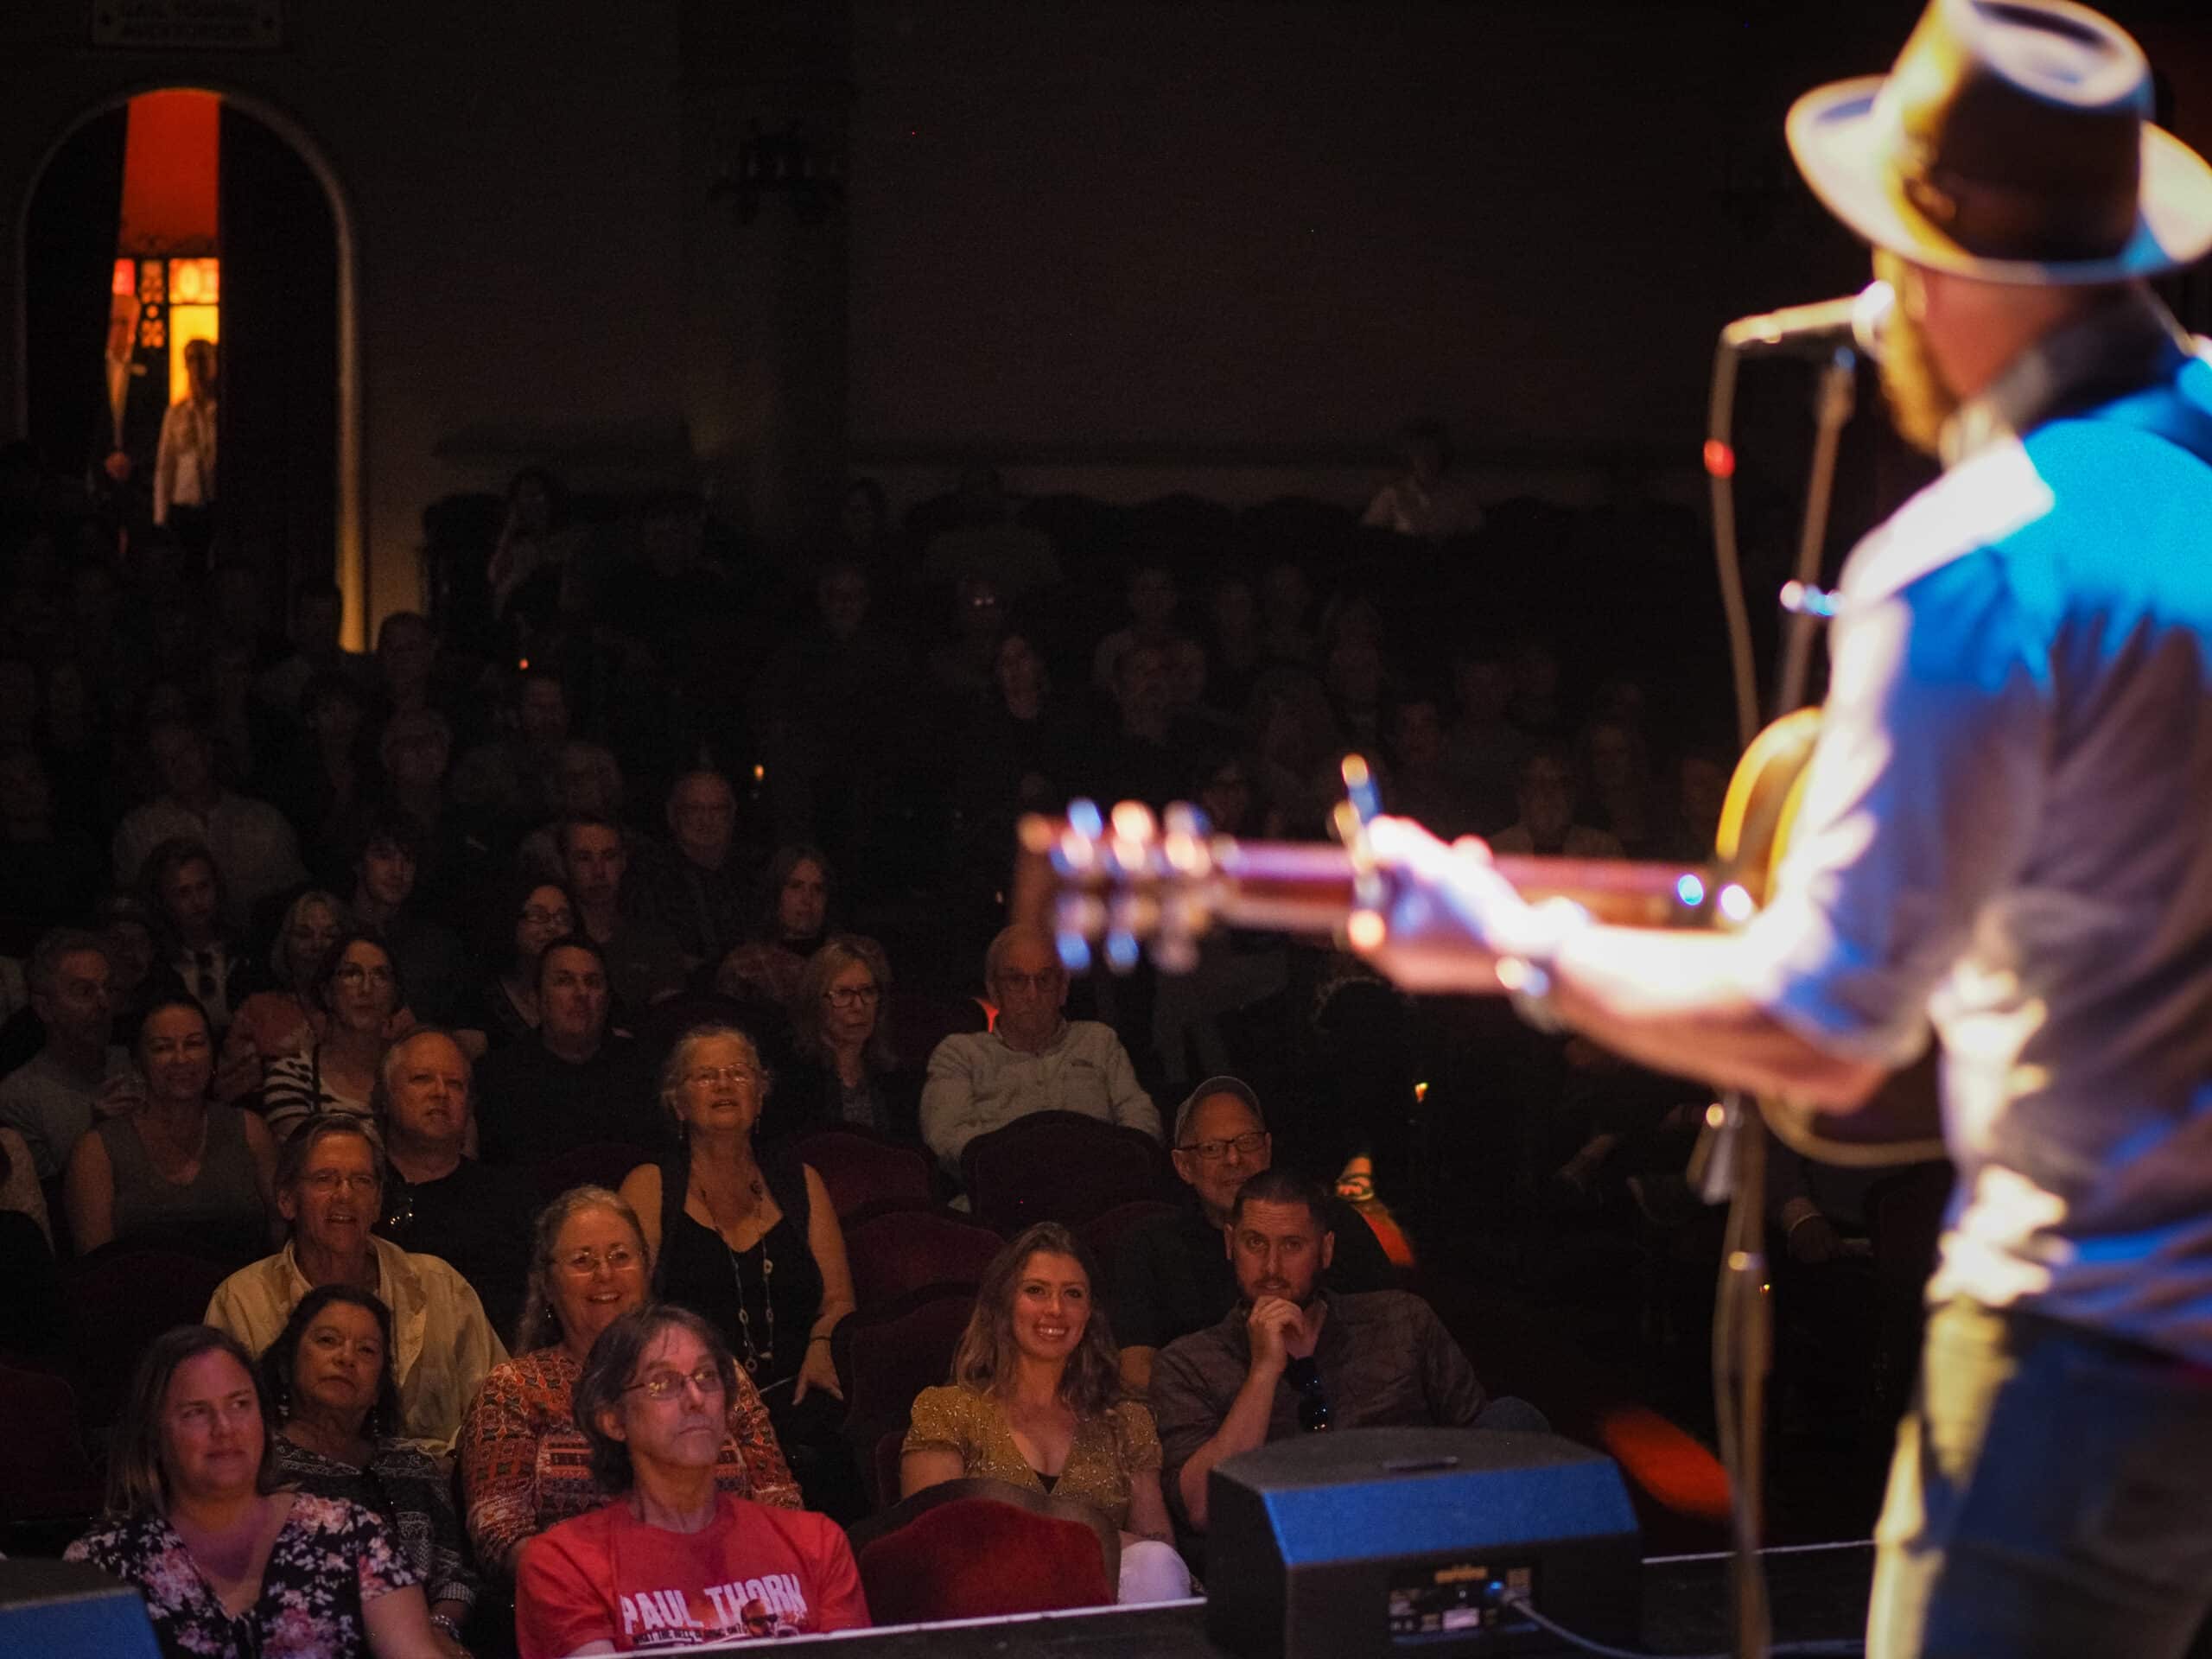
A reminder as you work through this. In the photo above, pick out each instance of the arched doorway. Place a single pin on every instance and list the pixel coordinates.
(290, 404)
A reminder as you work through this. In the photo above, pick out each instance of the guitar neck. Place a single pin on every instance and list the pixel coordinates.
(1311, 887)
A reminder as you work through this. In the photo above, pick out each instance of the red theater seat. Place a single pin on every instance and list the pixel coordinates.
(603, 1163)
(1059, 1166)
(861, 1167)
(119, 1299)
(46, 1476)
(949, 1554)
(896, 1253)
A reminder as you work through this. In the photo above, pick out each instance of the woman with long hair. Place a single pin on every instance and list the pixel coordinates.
(847, 1072)
(528, 914)
(176, 1163)
(337, 1416)
(359, 991)
(525, 1465)
(794, 920)
(281, 1019)
(1036, 1399)
(229, 1563)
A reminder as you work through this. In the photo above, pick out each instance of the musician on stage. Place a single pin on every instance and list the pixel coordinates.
(2006, 835)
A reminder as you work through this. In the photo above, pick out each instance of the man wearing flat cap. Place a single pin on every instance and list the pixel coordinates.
(2002, 837)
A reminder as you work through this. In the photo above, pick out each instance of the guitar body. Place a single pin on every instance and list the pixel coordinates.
(1902, 1122)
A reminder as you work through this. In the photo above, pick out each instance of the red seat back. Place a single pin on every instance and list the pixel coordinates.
(119, 1299)
(895, 1253)
(1059, 1166)
(886, 1356)
(977, 1558)
(45, 1474)
(1103, 1234)
(603, 1163)
(859, 1167)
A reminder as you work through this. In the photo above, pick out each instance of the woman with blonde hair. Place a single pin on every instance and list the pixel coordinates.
(1036, 1400)
(525, 1464)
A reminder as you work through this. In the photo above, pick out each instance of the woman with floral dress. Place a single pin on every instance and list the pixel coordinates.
(229, 1567)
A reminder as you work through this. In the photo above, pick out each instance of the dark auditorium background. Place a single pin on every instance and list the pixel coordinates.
(1179, 273)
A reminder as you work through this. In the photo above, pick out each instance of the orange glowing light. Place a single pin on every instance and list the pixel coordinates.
(1719, 459)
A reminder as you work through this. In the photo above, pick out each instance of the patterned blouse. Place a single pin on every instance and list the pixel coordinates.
(329, 1559)
(1108, 1449)
(411, 1491)
(526, 1466)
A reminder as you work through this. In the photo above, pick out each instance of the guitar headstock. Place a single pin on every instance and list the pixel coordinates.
(1110, 886)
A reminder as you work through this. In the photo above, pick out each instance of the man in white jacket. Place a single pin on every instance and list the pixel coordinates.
(1035, 1059)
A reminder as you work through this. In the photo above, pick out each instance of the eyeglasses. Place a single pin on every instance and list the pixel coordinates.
(1047, 981)
(661, 1385)
(1214, 1151)
(1313, 1413)
(537, 917)
(851, 996)
(584, 1263)
(723, 1074)
(352, 973)
(333, 1180)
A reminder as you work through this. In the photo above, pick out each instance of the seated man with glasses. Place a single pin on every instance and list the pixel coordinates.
(1173, 1276)
(1292, 1357)
(674, 1560)
(1032, 1060)
(330, 1182)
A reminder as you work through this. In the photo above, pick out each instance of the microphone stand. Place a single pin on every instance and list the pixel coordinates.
(1730, 1161)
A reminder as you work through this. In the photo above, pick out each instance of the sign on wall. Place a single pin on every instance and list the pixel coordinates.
(189, 25)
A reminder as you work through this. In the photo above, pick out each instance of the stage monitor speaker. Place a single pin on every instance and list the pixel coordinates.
(1374, 1541)
(60, 1610)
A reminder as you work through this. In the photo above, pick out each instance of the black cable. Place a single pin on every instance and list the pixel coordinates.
(1852, 1648)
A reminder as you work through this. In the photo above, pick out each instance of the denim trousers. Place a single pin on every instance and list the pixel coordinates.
(2051, 1494)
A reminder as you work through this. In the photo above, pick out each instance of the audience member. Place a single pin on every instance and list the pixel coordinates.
(329, 1375)
(1153, 600)
(1032, 1060)
(47, 877)
(1176, 1275)
(76, 1073)
(438, 1201)
(693, 885)
(794, 922)
(845, 1070)
(312, 647)
(964, 663)
(1428, 499)
(359, 992)
(1483, 749)
(674, 1546)
(1293, 1356)
(644, 963)
(185, 891)
(1035, 1401)
(329, 789)
(284, 1019)
(429, 955)
(987, 542)
(524, 1462)
(1547, 821)
(526, 917)
(587, 783)
(576, 1083)
(228, 1561)
(1138, 760)
(330, 1180)
(252, 846)
(1422, 784)
(177, 1167)
(32, 1316)
(1019, 751)
(1616, 767)
(755, 1248)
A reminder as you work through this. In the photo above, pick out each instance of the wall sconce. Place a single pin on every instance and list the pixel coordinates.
(789, 164)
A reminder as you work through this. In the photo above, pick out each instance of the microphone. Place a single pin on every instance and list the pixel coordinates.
(1860, 320)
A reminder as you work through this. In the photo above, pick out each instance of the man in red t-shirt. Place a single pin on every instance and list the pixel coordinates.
(673, 1562)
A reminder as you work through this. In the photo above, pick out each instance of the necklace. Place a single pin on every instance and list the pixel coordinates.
(754, 1357)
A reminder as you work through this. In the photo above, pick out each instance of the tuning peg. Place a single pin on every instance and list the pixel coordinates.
(1120, 951)
(1184, 819)
(1084, 819)
(1134, 821)
(1075, 952)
